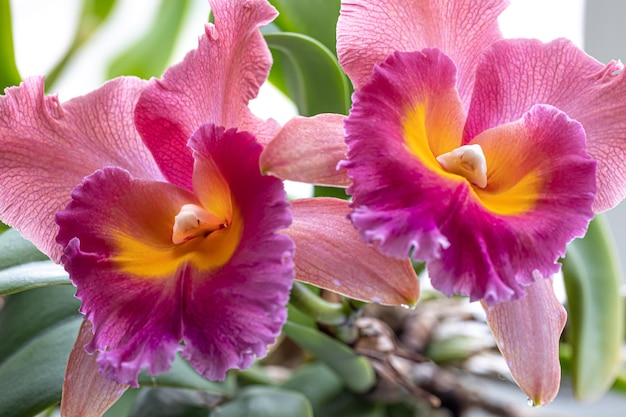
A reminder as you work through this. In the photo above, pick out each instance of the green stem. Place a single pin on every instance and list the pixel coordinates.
(322, 311)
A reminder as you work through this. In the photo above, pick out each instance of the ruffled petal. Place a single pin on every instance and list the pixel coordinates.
(308, 149)
(368, 31)
(331, 255)
(516, 74)
(232, 316)
(541, 184)
(86, 392)
(407, 115)
(117, 235)
(49, 147)
(213, 84)
(527, 332)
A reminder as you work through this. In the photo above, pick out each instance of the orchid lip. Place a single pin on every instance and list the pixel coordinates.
(193, 221)
(468, 161)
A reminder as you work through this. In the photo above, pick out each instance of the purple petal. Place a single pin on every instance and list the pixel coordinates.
(241, 307)
(48, 147)
(516, 74)
(331, 255)
(392, 161)
(308, 149)
(213, 84)
(368, 31)
(527, 332)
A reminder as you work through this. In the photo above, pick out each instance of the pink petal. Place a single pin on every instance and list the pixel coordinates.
(527, 332)
(213, 84)
(331, 255)
(86, 392)
(368, 31)
(516, 74)
(48, 147)
(308, 150)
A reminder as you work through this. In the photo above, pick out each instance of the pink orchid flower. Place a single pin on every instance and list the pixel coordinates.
(480, 155)
(151, 196)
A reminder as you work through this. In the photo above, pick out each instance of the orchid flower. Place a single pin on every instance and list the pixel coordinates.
(480, 155)
(150, 195)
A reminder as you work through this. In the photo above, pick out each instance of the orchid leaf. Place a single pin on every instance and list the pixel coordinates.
(262, 401)
(23, 266)
(327, 384)
(309, 73)
(37, 331)
(354, 370)
(596, 312)
(9, 75)
(32, 275)
(181, 375)
(15, 250)
(169, 402)
(314, 18)
(149, 56)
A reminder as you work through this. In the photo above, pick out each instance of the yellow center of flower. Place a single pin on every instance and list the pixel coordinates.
(432, 136)
(180, 229)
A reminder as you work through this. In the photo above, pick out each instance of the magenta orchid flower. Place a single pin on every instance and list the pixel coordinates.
(151, 196)
(483, 157)
(480, 155)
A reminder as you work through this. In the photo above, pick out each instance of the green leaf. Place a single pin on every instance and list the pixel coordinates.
(261, 401)
(314, 18)
(354, 370)
(15, 250)
(596, 312)
(169, 402)
(308, 73)
(181, 375)
(37, 331)
(317, 382)
(32, 275)
(9, 75)
(149, 56)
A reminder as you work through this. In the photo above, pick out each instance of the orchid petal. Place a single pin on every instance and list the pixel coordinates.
(245, 300)
(527, 332)
(86, 392)
(368, 31)
(48, 147)
(515, 74)
(308, 150)
(213, 84)
(331, 255)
